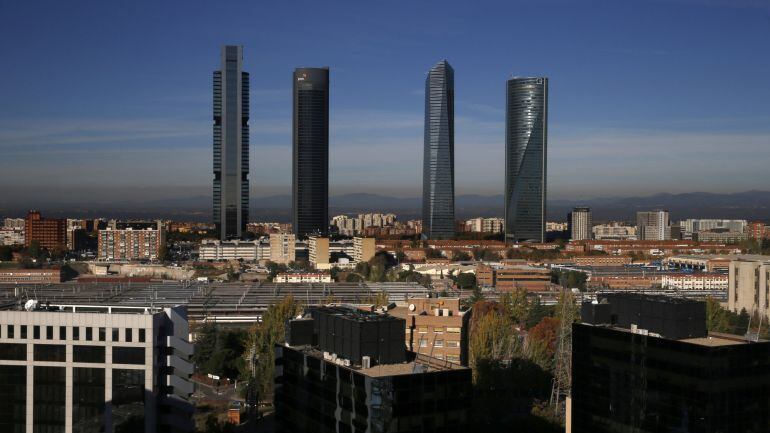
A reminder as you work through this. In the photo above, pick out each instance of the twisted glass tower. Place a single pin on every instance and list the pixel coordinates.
(310, 167)
(526, 142)
(231, 145)
(438, 178)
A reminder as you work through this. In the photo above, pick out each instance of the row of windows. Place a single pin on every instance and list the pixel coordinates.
(423, 342)
(436, 329)
(75, 333)
(58, 353)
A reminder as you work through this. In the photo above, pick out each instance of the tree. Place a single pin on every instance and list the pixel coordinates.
(432, 253)
(492, 336)
(35, 251)
(163, 253)
(516, 305)
(717, 319)
(6, 253)
(263, 338)
(541, 342)
(461, 256)
(466, 280)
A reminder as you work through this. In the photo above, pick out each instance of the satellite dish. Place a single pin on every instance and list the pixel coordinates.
(411, 307)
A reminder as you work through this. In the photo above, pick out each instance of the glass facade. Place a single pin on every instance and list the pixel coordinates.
(623, 382)
(310, 164)
(128, 355)
(87, 400)
(128, 401)
(13, 395)
(438, 205)
(49, 399)
(50, 352)
(526, 145)
(320, 396)
(91, 354)
(231, 145)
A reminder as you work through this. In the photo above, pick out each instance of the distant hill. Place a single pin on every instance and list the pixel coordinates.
(751, 205)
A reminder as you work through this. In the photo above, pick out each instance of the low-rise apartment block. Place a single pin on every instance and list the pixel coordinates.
(290, 277)
(698, 281)
(248, 251)
(30, 276)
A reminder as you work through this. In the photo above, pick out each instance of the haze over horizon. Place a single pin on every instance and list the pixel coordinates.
(639, 104)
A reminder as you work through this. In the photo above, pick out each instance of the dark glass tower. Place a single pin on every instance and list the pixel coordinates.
(438, 172)
(231, 145)
(526, 143)
(310, 169)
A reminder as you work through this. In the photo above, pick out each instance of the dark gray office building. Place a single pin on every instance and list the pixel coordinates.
(310, 169)
(438, 173)
(231, 145)
(526, 145)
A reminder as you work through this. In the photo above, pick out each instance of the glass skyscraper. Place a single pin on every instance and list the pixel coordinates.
(231, 145)
(438, 177)
(526, 145)
(310, 166)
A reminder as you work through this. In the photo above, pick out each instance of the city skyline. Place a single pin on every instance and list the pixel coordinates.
(131, 141)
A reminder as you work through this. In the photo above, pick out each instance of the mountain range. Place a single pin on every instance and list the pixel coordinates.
(751, 205)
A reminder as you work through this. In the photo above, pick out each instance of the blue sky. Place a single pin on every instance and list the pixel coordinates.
(99, 98)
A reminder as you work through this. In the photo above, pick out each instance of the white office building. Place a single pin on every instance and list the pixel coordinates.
(99, 370)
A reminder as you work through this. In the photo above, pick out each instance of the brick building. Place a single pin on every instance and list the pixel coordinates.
(435, 327)
(510, 277)
(49, 233)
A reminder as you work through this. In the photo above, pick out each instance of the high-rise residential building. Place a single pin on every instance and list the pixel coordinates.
(653, 225)
(438, 172)
(49, 233)
(231, 145)
(526, 146)
(101, 370)
(580, 223)
(318, 252)
(310, 167)
(282, 247)
(749, 284)
(648, 364)
(364, 249)
(131, 241)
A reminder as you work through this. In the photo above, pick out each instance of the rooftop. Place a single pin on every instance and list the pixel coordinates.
(418, 364)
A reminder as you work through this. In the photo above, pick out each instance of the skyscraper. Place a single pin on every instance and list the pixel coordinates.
(310, 167)
(526, 143)
(231, 145)
(438, 173)
(580, 223)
